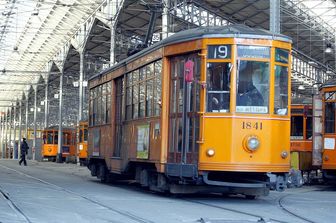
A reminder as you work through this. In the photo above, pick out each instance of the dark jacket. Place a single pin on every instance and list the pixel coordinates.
(24, 147)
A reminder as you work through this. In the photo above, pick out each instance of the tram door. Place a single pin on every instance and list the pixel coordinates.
(184, 107)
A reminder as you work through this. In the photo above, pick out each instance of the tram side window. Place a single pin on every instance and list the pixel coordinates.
(281, 90)
(143, 92)
(218, 89)
(56, 138)
(100, 104)
(329, 117)
(297, 127)
(309, 127)
(253, 87)
(108, 103)
(50, 138)
(86, 135)
(81, 135)
(157, 87)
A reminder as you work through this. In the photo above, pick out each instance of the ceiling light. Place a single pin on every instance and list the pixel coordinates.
(328, 48)
(301, 87)
(328, 72)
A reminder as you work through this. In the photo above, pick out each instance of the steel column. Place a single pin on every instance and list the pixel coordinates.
(27, 110)
(275, 16)
(6, 134)
(35, 113)
(14, 134)
(81, 78)
(10, 132)
(20, 130)
(112, 46)
(2, 135)
(165, 19)
(59, 149)
(46, 104)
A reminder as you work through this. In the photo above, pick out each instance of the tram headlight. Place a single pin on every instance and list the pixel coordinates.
(284, 154)
(252, 143)
(210, 152)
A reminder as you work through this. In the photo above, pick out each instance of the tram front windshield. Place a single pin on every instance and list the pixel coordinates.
(253, 87)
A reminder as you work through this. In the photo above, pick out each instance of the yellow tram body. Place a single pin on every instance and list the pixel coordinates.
(50, 143)
(301, 136)
(82, 132)
(203, 137)
(328, 91)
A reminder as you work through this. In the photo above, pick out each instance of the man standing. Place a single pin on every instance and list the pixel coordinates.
(24, 151)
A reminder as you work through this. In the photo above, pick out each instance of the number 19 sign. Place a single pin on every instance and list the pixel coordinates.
(219, 51)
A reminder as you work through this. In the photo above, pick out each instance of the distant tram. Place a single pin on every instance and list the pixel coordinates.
(206, 109)
(50, 143)
(82, 142)
(328, 92)
(301, 136)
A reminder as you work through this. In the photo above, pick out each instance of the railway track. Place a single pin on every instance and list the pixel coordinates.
(262, 219)
(15, 207)
(283, 207)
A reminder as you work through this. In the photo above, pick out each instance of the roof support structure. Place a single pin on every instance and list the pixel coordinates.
(275, 16)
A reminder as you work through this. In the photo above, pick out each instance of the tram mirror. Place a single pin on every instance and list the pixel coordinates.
(189, 71)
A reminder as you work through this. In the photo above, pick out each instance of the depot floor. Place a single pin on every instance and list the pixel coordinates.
(52, 192)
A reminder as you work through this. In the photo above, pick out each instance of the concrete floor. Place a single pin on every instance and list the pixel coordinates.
(51, 192)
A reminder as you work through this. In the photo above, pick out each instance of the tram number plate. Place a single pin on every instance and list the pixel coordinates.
(219, 51)
(252, 125)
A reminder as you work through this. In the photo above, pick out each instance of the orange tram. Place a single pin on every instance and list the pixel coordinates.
(301, 137)
(328, 92)
(82, 132)
(205, 110)
(50, 143)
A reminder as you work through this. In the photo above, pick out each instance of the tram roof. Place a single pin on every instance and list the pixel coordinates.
(230, 31)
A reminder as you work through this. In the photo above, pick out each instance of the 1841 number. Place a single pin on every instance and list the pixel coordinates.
(252, 125)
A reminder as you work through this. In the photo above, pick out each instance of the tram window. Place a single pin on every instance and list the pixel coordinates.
(142, 100)
(56, 138)
(218, 89)
(50, 138)
(103, 105)
(81, 135)
(108, 101)
(85, 135)
(329, 117)
(149, 99)
(252, 87)
(157, 87)
(297, 127)
(135, 101)
(281, 90)
(309, 128)
(128, 103)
